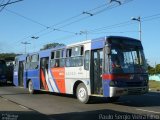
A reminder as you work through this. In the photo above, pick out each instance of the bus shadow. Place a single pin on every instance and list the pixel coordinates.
(8, 94)
(57, 94)
(93, 99)
(147, 100)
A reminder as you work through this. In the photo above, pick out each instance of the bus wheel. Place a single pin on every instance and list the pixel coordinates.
(82, 93)
(30, 87)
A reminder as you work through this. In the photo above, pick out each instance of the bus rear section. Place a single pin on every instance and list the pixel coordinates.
(3, 72)
(125, 69)
(19, 74)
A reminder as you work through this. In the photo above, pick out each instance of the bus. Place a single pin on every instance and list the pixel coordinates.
(109, 67)
(3, 72)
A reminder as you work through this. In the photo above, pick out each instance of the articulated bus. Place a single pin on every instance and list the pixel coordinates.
(108, 67)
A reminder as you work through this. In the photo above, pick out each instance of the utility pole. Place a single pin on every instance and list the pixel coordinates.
(34, 38)
(25, 43)
(140, 28)
(155, 68)
(84, 32)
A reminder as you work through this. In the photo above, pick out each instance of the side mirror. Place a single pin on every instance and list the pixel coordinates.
(108, 49)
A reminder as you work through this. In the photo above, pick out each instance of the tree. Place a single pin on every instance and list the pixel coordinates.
(157, 69)
(8, 56)
(151, 70)
(52, 45)
(154, 70)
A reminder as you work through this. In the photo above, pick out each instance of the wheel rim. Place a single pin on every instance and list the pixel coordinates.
(82, 94)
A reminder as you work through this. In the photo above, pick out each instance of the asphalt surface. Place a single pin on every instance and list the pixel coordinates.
(17, 103)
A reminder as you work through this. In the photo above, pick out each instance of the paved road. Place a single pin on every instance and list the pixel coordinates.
(60, 107)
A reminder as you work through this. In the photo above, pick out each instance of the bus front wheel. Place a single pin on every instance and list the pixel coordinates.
(82, 93)
(30, 87)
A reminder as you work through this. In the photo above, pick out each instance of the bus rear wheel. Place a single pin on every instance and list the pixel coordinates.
(82, 93)
(30, 87)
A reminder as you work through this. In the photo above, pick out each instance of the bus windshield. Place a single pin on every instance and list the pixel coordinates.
(127, 59)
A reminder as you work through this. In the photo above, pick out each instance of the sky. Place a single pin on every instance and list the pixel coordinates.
(62, 21)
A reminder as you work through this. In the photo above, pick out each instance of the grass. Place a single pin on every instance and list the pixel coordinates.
(154, 85)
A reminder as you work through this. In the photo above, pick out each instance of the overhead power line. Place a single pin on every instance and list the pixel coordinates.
(29, 19)
(69, 21)
(4, 5)
(76, 19)
(2, 1)
(151, 17)
(8, 3)
(121, 24)
(125, 23)
(113, 5)
(112, 32)
(36, 22)
(95, 12)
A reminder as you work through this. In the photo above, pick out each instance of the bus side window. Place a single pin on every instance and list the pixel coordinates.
(28, 61)
(86, 60)
(68, 57)
(57, 58)
(74, 56)
(34, 61)
(56, 63)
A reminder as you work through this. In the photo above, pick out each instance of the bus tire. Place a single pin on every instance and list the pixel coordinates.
(82, 93)
(30, 87)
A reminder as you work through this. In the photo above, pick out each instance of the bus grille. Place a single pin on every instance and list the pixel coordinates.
(135, 91)
(134, 84)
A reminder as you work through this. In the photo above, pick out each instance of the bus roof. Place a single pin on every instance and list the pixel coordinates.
(121, 37)
(95, 42)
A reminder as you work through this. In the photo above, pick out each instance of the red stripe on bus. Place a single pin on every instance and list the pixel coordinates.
(59, 76)
(44, 80)
(113, 76)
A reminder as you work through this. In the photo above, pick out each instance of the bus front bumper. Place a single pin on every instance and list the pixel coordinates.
(119, 91)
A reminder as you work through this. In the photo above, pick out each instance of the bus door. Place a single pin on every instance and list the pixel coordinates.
(44, 62)
(20, 73)
(96, 71)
